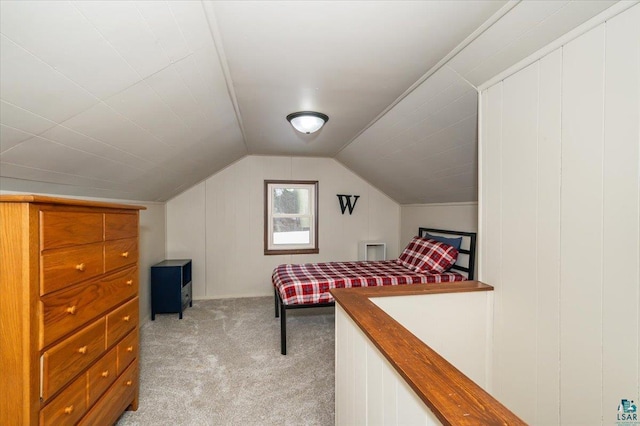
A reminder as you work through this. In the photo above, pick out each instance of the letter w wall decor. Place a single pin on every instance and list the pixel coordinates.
(345, 202)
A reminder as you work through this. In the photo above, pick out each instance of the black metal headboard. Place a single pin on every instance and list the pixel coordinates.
(466, 262)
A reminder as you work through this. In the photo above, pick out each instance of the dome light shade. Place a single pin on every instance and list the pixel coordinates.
(307, 121)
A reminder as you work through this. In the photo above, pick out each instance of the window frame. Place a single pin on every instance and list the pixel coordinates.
(269, 248)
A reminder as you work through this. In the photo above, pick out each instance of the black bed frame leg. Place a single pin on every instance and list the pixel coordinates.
(276, 300)
(283, 329)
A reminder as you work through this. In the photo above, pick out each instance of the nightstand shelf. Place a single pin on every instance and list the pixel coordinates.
(171, 287)
(372, 250)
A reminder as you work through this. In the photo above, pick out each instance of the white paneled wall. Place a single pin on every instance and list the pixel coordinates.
(152, 250)
(219, 223)
(186, 230)
(368, 390)
(454, 216)
(559, 224)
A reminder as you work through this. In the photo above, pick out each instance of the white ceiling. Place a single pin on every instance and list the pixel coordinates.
(142, 99)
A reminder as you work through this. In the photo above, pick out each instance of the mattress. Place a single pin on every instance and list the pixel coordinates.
(309, 283)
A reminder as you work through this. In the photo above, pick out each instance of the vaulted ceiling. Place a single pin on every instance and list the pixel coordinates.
(142, 99)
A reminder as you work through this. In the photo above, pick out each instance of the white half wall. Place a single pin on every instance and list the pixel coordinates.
(463, 340)
(219, 223)
(560, 231)
(369, 391)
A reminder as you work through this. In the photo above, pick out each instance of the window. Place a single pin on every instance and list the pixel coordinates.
(291, 217)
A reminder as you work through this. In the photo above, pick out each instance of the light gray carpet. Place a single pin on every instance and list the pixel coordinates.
(221, 365)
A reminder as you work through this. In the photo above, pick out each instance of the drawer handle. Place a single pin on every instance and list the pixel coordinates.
(68, 410)
(71, 310)
(126, 318)
(125, 254)
(128, 382)
(82, 350)
(130, 282)
(80, 267)
(105, 373)
(130, 349)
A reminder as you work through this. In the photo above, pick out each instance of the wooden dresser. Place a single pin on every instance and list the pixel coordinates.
(68, 311)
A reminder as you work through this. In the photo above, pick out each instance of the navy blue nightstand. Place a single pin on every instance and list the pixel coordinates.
(171, 287)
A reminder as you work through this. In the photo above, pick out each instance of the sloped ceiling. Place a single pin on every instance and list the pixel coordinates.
(142, 99)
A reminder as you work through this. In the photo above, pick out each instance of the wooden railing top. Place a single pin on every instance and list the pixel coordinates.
(450, 395)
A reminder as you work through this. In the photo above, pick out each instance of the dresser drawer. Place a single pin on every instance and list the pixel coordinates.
(65, 228)
(118, 226)
(101, 375)
(119, 396)
(64, 267)
(127, 350)
(68, 407)
(65, 360)
(66, 310)
(120, 253)
(121, 321)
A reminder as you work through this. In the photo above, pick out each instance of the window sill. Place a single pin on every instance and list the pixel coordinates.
(297, 251)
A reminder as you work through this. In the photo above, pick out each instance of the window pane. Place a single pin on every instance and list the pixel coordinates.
(290, 201)
(291, 209)
(291, 230)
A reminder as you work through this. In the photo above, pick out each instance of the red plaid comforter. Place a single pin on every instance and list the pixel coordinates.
(309, 283)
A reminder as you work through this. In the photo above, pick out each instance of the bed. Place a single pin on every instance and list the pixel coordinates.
(433, 256)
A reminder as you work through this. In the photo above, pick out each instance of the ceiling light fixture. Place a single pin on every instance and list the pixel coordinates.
(307, 121)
